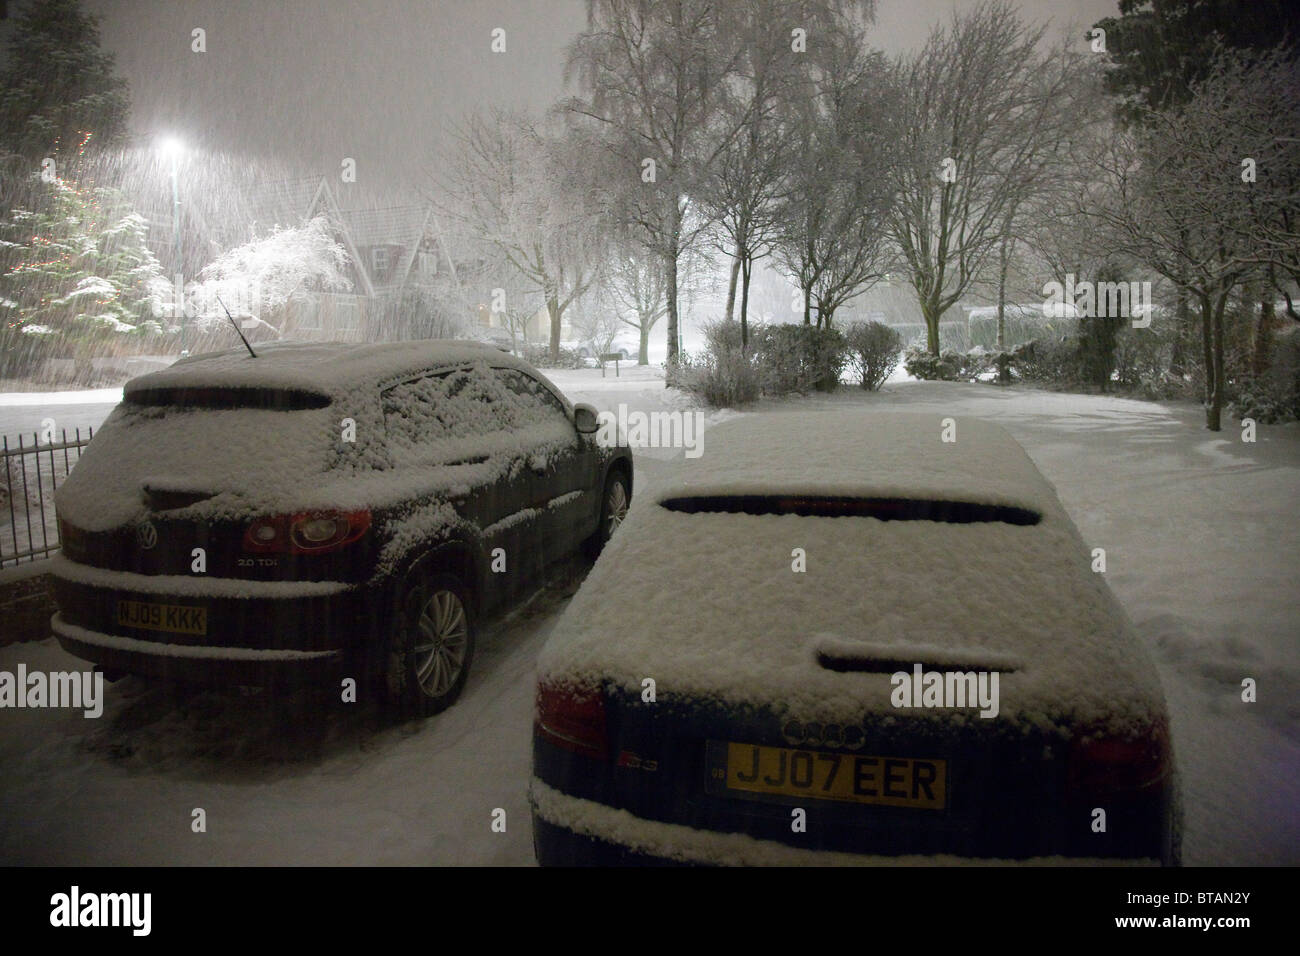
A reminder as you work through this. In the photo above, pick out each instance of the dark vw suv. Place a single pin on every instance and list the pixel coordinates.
(324, 510)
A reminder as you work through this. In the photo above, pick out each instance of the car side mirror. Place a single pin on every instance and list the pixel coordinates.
(584, 419)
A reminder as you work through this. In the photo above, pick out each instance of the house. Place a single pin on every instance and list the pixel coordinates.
(403, 281)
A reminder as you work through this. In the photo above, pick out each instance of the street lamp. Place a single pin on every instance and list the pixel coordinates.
(171, 148)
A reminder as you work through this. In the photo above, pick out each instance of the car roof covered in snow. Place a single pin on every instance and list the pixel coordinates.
(849, 453)
(745, 608)
(327, 368)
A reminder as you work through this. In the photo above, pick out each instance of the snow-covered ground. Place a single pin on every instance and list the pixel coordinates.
(1201, 546)
(22, 413)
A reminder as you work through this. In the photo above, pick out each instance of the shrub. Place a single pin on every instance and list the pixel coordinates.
(1049, 361)
(944, 367)
(540, 356)
(799, 358)
(722, 376)
(1273, 396)
(873, 350)
(1096, 345)
(1144, 357)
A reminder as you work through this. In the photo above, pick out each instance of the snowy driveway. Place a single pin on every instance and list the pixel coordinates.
(1201, 548)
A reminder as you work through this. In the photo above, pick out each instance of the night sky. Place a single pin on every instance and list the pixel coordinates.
(310, 83)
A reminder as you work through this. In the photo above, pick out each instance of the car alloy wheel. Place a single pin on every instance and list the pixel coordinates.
(441, 643)
(615, 505)
(433, 644)
(613, 509)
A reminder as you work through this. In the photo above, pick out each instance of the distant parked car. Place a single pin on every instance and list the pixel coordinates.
(622, 346)
(326, 509)
(746, 674)
(495, 336)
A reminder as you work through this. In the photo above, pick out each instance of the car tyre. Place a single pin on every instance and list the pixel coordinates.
(431, 644)
(614, 501)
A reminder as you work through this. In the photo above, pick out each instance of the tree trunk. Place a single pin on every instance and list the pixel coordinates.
(731, 285)
(931, 328)
(807, 305)
(1004, 260)
(553, 309)
(671, 251)
(643, 349)
(1182, 320)
(1215, 373)
(1207, 349)
(747, 267)
(1261, 355)
(670, 291)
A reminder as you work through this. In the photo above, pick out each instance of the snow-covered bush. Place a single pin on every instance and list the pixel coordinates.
(944, 367)
(1274, 395)
(799, 358)
(1049, 361)
(1143, 361)
(540, 356)
(724, 375)
(874, 350)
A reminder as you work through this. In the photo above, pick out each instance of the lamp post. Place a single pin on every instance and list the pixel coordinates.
(171, 147)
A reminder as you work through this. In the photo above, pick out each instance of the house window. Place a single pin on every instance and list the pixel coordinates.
(379, 260)
(428, 263)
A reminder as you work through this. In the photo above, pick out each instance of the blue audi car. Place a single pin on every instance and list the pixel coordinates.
(854, 638)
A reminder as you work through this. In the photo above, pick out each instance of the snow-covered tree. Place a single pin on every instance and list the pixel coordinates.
(519, 192)
(75, 269)
(832, 241)
(257, 279)
(635, 285)
(1205, 193)
(981, 116)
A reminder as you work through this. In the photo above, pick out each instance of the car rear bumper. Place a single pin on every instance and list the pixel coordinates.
(238, 632)
(570, 831)
(196, 663)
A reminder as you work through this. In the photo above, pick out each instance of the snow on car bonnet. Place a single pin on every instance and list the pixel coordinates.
(761, 609)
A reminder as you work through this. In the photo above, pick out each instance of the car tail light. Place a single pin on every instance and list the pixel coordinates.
(573, 719)
(1102, 764)
(310, 532)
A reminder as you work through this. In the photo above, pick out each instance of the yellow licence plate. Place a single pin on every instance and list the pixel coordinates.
(818, 775)
(163, 617)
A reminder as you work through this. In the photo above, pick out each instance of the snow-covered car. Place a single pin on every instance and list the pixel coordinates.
(839, 637)
(494, 336)
(622, 346)
(323, 509)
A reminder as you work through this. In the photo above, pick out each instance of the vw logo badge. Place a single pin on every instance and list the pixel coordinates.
(146, 535)
(815, 735)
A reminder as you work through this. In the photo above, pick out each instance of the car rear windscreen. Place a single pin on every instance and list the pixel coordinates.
(269, 399)
(827, 506)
